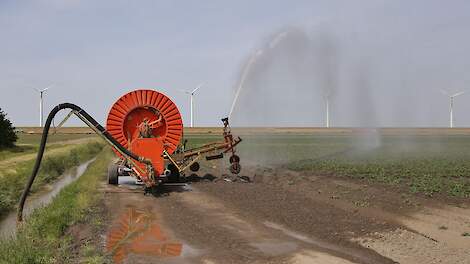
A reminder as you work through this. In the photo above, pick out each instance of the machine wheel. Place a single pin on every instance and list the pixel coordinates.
(175, 174)
(245, 178)
(194, 167)
(234, 158)
(113, 175)
(235, 168)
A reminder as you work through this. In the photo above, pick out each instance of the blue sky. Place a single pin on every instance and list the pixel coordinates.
(95, 51)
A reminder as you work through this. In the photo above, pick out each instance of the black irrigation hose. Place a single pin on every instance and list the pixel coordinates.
(45, 133)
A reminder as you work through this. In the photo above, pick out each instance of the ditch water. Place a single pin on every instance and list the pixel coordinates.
(42, 198)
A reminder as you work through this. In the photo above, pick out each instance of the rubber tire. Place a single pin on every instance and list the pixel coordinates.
(194, 167)
(245, 178)
(175, 175)
(234, 158)
(235, 168)
(113, 176)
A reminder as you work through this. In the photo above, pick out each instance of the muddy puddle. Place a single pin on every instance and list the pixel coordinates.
(137, 231)
(42, 198)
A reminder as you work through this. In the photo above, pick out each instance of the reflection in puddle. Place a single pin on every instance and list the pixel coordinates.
(137, 231)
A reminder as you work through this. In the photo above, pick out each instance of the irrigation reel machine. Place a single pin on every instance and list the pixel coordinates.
(145, 130)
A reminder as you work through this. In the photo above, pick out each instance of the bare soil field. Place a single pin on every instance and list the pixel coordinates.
(284, 217)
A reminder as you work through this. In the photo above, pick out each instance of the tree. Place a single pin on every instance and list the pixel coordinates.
(8, 136)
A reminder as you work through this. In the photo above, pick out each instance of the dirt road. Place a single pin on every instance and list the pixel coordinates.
(284, 217)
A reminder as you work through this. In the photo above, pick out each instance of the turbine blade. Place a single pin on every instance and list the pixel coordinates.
(444, 92)
(197, 88)
(47, 88)
(184, 91)
(457, 94)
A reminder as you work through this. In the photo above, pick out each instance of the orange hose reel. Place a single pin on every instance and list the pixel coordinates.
(149, 114)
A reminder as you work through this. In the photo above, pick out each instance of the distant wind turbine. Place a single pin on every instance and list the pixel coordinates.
(327, 99)
(191, 95)
(451, 106)
(41, 106)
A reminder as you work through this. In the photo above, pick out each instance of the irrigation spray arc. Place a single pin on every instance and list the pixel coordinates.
(284, 78)
(357, 81)
(251, 61)
(295, 79)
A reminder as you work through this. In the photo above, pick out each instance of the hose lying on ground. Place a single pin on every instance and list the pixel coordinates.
(93, 124)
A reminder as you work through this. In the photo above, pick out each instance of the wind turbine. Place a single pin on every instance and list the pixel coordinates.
(451, 99)
(191, 95)
(41, 106)
(327, 99)
(326, 96)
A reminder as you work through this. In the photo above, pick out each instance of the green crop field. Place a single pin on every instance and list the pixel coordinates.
(428, 164)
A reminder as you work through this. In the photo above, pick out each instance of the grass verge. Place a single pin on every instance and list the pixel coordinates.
(29, 143)
(17, 151)
(43, 238)
(34, 139)
(12, 184)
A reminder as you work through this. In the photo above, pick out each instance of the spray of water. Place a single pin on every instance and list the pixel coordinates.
(294, 80)
(286, 82)
(253, 58)
(246, 70)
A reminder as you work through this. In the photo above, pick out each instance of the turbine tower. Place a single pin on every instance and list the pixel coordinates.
(327, 98)
(327, 102)
(191, 95)
(41, 104)
(451, 104)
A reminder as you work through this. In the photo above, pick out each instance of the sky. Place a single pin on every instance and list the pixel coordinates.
(92, 52)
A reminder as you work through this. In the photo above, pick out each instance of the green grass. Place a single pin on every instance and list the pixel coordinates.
(12, 183)
(17, 151)
(35, 139)
(29, 143)
(43, 239)
(21, 150)
(198, 140)
(423, 164)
